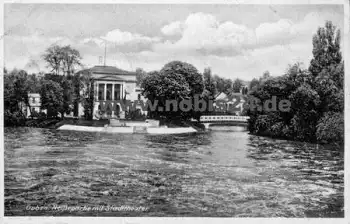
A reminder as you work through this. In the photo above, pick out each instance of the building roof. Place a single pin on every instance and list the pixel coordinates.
(33, 94)
(221, 96)
(228, 97)
(101, 69)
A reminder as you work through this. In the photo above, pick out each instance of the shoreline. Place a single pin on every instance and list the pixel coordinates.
(56, 123)
(130, 130)
(100, 126)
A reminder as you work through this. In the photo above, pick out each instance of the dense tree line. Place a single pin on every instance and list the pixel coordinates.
(316, 95)
(56, 92)
(59, 90)
(15, 91)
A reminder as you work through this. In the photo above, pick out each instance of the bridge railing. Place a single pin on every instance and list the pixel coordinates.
(220, 118)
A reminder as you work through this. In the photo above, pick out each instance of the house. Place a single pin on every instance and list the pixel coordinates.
(111, 85)
(230, 100)
(34, 101)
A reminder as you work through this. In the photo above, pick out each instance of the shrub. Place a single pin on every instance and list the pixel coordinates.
(16, 118)
(330, 128)
(277, 129)
(262, 124)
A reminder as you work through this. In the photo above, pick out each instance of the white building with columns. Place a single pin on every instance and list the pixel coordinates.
(111, 84)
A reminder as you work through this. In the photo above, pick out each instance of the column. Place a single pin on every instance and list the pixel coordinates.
(97, 91)
(121, 91)
(122, 112)
(113, 92)
(105, 93)
(113, 115)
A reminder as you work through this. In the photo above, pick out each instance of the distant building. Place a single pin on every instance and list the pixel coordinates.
(111, 84)
(34, 104)
(230, 100)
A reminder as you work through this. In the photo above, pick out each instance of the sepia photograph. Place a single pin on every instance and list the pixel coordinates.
(174, 110)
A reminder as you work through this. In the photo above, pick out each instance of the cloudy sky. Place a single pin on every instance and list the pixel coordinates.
(236, 41)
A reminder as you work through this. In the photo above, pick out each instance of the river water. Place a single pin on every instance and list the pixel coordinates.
(221, 173)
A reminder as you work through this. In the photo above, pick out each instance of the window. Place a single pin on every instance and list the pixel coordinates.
(139, 96)
(33, 100)
(109, 91)
(101, 91)
(116, 91)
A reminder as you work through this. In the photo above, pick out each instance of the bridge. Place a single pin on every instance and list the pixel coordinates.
(223, 119)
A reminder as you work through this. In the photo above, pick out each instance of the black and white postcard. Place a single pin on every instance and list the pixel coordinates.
(184, 111)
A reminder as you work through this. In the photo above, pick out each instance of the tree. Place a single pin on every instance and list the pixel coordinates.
(188, 72)
(68, 94)
(228, 86)
(163, 87)
(327, 68)
(222, 85)
(326, 48)
(266, 75)
(316, 105)
(209, 84)
(70, 91)
(70, 59)
(305, 101)
(16, 90)
(140, 75)
(330, 128)
(254, 84)
(53, 57)
(237, 85)
(51, 94)
(219, 84)
(88, 96)
(33, 83)
(176, 81)
(62, 59)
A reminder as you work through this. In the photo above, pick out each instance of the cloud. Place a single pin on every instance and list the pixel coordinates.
(174, 28)
(267, 32)
(117, 40)
(93, 41)
(120, 37)
(19, 48)
(284, 31)
(203, 34)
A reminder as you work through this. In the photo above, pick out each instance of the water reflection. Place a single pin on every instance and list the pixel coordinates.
(223, 172)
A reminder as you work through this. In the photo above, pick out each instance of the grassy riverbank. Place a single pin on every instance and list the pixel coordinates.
(55, 122)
